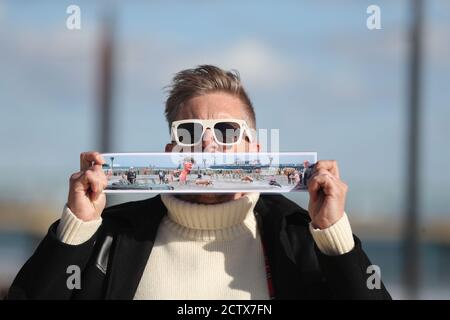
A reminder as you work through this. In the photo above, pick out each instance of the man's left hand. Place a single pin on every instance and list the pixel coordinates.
(326, 194)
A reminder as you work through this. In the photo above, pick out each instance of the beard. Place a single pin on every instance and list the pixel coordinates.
(210, 198)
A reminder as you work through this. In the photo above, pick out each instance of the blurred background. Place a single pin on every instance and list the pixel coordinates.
(375, 100)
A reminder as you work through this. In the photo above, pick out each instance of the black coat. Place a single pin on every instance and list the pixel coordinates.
(113, 260)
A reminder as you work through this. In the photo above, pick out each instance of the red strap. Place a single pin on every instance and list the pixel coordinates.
(268, 274)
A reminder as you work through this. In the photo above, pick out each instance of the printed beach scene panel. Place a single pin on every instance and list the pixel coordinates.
(208, 172)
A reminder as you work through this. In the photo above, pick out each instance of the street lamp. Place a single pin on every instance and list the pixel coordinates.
(112, 165)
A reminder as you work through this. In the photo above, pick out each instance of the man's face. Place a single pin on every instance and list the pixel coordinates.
(211, 106)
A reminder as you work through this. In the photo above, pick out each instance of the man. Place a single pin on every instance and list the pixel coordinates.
(162, 177)
(307, 172)
(207, 246)
(131, 176)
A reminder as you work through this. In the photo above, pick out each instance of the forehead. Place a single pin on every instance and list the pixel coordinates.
(218, 105)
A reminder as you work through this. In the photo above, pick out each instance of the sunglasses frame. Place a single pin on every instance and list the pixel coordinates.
(209, 124)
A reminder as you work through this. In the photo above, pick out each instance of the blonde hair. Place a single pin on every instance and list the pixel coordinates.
(203, 79)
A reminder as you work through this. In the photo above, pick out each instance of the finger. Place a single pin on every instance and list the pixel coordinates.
(98, 185)
(76, 176)
(330, 165)
(342, 185)
(76, 183)
(101, 176)
(326, 183)
(90, 183)
(87, 159)
(90, 180)
(323, 172)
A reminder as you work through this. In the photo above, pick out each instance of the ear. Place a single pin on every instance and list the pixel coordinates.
(169, 147)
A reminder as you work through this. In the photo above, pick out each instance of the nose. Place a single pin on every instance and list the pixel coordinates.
(209, 144)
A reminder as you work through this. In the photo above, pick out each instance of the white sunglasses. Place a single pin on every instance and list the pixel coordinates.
(226, 132)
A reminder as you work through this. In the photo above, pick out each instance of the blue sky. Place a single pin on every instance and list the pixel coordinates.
(312, 69)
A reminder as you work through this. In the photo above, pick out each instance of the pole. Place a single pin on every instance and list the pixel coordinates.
(411, 233)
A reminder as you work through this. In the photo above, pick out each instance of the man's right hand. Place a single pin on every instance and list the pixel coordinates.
(86, 198)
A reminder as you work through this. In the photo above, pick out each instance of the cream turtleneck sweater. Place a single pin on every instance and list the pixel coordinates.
(207, 251)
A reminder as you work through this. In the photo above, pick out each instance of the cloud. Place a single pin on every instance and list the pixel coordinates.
(391, 44)
(51, 63)
(259, 64)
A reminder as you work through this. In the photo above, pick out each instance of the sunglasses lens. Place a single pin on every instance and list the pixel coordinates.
(189, 133)
(227, 132)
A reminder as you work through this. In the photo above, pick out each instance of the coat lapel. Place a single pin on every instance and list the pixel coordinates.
(272, 221)
(131, 251)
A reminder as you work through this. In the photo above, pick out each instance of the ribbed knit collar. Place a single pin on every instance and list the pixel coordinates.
(212, 222)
